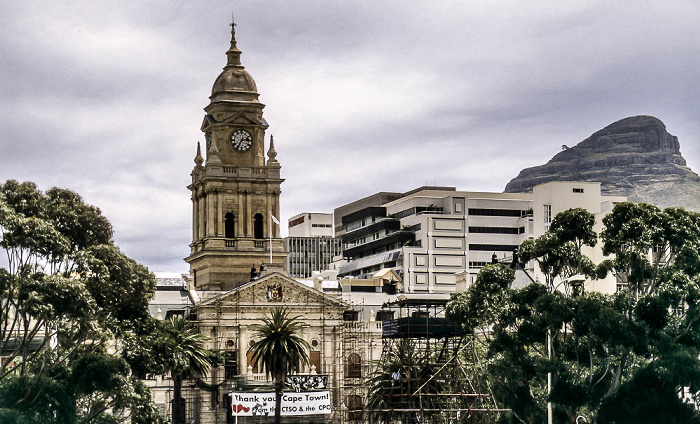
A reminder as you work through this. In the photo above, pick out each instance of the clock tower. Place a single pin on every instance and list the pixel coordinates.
(235, 188)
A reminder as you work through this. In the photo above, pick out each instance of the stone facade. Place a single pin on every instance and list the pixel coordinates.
(228, 317)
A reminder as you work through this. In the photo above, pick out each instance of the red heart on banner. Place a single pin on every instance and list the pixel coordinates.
(239, 408)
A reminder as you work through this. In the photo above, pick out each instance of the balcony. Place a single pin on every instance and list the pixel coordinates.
(388, 224)
(363, 326)
(294, 382)
(221, 243)
(400, 237)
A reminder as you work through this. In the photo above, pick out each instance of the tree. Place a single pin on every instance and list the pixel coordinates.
(621, 358)
(184, 356)
(558, 252)
(68, 297)
(280, 349)
(657, 265)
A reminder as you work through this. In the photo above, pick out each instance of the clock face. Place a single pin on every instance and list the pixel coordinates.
(241, 140)
(208, 136)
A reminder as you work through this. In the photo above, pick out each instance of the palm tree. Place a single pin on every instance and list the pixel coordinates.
(187, 358)
(280, 349)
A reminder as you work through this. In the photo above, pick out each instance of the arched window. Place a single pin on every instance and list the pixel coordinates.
(251, 360)
(229, 226)
(258, 226)
(354, 366)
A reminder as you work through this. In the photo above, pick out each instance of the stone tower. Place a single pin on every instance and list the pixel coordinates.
(235, 191)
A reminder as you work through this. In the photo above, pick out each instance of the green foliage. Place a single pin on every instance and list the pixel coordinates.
(558, 251)
(576, 226)
(183, 349)
(278, 346)
(649, 397)
(478, 306)
(69, 296)
(620, 358)
(51, 402)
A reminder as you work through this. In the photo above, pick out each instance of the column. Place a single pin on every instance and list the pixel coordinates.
(240, 218)
(211, 204)
(268, 207)
(219, 230)
(201, 220)
(249, 214)
(203, 214)
(195, 217)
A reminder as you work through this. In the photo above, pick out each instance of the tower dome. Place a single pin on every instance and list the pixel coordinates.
(234, 83)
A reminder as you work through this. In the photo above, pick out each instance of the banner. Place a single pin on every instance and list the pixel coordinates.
(293, 403)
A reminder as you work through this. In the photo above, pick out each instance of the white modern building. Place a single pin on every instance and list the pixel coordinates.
(429, 234)
(311, 225)
(310, 245)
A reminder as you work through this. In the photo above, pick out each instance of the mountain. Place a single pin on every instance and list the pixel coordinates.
(634, 157)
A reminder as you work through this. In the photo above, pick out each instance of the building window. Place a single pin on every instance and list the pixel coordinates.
(354, 404)
(315, 360)
(354, 367)
(351, 315)
(547, 214)
(578, 190)
(229, 226)
(251, 359)
(258, 226)
(497, 212)
(493, 247)
(497, 230)
(230, 364)
(383, 315)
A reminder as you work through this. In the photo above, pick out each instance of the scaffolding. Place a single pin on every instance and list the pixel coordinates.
(428, 371)
(362, 347)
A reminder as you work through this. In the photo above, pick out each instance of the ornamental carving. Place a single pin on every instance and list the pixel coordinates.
(274, 292)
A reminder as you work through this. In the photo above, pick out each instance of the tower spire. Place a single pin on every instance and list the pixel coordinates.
(198, 159)
(233, 54)
(272, 153)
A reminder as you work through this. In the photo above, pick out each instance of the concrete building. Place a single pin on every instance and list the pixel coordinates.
(311, 225)
(429, 234)
(551, 198)
(310, 246)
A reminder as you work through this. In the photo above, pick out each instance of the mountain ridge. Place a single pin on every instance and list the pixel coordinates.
(634, 157)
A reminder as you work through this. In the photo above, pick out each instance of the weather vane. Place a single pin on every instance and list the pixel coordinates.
(233, 23)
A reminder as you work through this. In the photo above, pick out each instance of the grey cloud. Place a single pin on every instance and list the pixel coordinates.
(107, 99)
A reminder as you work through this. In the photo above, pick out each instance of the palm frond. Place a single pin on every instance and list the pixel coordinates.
(278, 346)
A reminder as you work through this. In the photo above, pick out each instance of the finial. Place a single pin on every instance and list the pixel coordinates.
(233, 54)
(272, 153)
(198, 159)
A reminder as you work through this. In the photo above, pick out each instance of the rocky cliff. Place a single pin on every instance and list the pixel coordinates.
(634, 157)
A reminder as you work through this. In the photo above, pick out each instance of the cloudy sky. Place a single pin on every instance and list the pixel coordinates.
(106, 97)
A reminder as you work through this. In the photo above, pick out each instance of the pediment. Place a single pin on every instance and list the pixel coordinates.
(207, 122)
(276, 289)
(241, 118)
